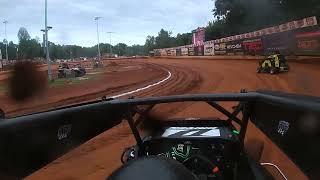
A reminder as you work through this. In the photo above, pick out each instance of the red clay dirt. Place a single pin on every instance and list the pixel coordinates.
(100, 156)
(121, 77)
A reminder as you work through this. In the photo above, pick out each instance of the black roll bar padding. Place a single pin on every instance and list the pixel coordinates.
(237, 110)
(143, 113)
(136, 134)
(225, 112)
(246, 112)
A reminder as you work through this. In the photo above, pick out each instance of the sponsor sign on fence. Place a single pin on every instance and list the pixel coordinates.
(178, 52)
(283, 42)
(168, 51)
(184, 51)
(173, 52)
(191, 51)
(285, 38)
(302, 23)
(308, 43)
(220, 49)
(234, 48)
(163, 52)
(157, 53)
(253, 47)
(209, 49)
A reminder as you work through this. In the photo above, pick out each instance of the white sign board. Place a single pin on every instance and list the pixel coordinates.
(209, 49)
(184, 51)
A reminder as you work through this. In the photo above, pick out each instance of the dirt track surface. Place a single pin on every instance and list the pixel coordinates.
(100, 156)
(112, 80)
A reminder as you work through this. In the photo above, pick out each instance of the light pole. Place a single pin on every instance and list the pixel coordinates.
(97, 22)
(110, 42)
(5, 33)
(46, 49)
(46, 28)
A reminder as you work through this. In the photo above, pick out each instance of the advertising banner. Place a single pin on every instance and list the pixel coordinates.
(191, 51)
(168, 51)
(302, 23)
(157, 53)
(178, 52)
(277, 38)
(209, 49)
(184, 51)
(234, 48)
(220, 49)
(283, 42)
(198, 50)
(163, 52)
(253, 47)
(308, 43)
(173, 52)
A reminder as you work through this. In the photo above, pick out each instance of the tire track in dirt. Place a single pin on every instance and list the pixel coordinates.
(108, 91)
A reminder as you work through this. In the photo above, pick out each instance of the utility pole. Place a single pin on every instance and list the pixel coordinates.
(5, 33)
(46, 49)
(97, 22)
(110, 42)
(46, 43)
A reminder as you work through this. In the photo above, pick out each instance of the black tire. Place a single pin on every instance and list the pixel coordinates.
(272, 71)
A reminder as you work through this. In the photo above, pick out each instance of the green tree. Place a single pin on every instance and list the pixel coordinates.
(120, 49)
(150, 43)
(135, 50)
(164, 39)
(12, 50)
(23, 34)
(183, 39)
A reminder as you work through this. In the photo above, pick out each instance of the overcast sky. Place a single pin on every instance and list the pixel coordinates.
(131, 20)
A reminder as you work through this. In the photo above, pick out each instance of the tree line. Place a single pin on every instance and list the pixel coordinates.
(31, 48)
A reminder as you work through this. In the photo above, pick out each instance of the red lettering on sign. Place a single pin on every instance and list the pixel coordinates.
(308, 44)
(253, 46)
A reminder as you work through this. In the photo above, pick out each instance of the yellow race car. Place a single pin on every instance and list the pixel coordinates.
(273, 64)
